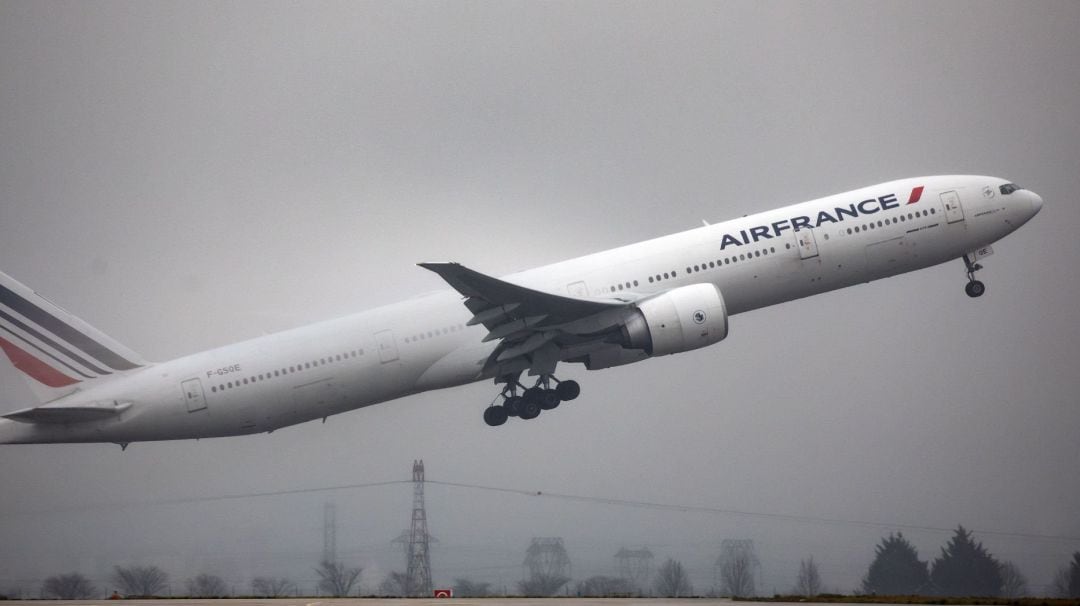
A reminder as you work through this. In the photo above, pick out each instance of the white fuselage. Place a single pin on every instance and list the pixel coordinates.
(423, 343)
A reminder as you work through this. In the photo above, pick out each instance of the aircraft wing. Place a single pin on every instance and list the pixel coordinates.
(536, 329)
(68, 414)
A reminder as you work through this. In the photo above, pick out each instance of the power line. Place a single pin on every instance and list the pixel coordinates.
(596, 500)
(208, 499)
(737, 512)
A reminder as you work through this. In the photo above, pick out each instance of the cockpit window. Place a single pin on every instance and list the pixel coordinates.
(1009, 188)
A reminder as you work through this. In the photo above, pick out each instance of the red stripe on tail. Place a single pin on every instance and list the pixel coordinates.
(42, 372)
(916, 195)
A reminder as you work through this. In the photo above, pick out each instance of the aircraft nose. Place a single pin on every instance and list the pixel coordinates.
(1036, 203)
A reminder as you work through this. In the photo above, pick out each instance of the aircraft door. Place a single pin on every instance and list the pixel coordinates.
(193, 395)
(953, 211)
(577, 289)
(388, 351)
(807, 243)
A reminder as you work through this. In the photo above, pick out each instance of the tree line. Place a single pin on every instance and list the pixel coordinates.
(963, 568)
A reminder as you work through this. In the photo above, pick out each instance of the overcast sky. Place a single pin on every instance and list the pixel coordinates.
(186, 175)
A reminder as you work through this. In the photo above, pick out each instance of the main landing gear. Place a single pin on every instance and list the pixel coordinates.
(974, 288)
(532, 401)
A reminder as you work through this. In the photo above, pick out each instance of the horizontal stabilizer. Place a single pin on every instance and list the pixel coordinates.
(69, 414)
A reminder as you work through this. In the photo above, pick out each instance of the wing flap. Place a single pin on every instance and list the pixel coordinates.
(485, 293)
(535, 329)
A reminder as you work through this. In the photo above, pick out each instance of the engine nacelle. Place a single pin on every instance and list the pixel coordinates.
(682, 319)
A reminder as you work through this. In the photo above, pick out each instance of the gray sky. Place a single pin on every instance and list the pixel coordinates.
(185, 175)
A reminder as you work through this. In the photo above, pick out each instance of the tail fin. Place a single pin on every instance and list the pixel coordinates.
(56, 352)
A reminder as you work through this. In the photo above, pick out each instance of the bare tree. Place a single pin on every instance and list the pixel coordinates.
(542, 585)
(604, 587)
(395, 585)
(672, 580)
(737, 576)
(1067, 580)
(272, 588)
(464, 588)
(142, 581)
(336, 579)
(207, 586)
(1013, 582)
(73, 586)
(808, 582)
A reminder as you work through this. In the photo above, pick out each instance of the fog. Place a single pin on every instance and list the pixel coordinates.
(186, 175)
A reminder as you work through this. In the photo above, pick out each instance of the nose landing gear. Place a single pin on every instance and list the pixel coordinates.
(974, 288)
(532, 401)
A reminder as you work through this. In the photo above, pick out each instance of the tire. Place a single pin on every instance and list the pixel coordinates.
(549, 400)
(975, 289)
(529, 409)
(513, 406)
(568, 390)
(495, 415)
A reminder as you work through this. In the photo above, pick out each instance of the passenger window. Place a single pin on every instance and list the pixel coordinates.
(650, 280)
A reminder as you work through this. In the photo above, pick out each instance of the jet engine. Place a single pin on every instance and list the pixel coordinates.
(681, 319)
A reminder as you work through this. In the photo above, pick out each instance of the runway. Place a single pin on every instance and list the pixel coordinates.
(395, 602)
(382, 602)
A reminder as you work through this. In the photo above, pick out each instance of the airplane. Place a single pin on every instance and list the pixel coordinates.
(654, 298)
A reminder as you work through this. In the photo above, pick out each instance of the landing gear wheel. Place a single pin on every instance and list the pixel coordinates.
(567, 390)
(513, 406)
(495, 415)
(549, 400)
(529, 409)
(975, 289)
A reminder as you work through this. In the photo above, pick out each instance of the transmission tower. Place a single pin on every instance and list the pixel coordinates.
(417, 551)
(546, 558)
(329, 533)
(635, 565)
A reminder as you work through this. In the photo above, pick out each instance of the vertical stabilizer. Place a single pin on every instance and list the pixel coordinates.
(53, 350)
